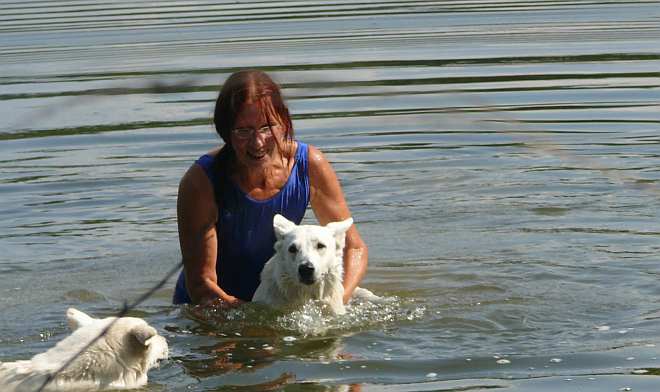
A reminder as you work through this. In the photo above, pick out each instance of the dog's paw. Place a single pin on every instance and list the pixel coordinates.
(365, 295)
(338, 309)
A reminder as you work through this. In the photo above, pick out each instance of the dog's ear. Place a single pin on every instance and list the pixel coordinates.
(339, 229)
(143, 333)
(282, 226)
(76, 319)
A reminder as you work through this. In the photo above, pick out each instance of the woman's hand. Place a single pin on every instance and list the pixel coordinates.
(229, 302)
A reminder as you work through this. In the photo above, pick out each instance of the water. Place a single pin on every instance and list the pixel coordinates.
(500, 159)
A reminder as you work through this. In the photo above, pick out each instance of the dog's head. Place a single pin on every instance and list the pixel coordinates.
(130, 340)
(310, 252)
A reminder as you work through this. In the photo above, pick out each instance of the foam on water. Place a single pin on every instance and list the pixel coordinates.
(312, 319)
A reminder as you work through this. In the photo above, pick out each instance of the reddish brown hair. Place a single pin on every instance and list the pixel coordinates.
(250, 86)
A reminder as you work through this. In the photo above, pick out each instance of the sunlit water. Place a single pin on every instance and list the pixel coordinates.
(501, 159)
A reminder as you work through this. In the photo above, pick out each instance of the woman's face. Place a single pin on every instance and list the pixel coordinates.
(253, 137)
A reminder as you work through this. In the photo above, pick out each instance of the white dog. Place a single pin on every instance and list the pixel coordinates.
(119, 359)
(307, 264)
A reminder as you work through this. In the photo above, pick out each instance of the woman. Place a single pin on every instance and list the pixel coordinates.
(228, 198)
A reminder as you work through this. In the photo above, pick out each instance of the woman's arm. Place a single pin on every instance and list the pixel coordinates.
(329, 205)
(197, 214)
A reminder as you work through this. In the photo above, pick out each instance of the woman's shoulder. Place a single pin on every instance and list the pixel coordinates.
(326, 192)
(194, 178)
(321, 173)
(197, 176)
(311, 152)
(196, 208)
(213, 153)
(316, 158)
(209, 157)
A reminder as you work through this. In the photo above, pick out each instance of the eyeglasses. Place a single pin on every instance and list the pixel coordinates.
(246, 133)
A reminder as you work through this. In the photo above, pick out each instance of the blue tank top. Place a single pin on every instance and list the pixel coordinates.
(245, 225)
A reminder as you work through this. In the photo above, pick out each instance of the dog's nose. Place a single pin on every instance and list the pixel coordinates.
(306, 272)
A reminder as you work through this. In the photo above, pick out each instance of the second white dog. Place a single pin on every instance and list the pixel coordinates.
(307, 265)
(119, 359)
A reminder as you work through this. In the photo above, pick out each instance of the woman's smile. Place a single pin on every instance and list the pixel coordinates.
(257, 155)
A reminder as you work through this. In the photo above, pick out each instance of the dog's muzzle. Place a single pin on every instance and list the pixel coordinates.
(306, 273)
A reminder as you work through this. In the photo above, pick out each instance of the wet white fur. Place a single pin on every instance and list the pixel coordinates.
(281, 286)
(118, 360)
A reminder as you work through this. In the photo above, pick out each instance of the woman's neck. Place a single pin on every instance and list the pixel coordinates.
(262, 177)
(267, 180)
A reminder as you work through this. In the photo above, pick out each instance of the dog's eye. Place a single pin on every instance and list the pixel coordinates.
(320, 246)
(293, 249)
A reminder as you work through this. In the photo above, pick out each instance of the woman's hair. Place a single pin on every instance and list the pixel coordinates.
(250, 86)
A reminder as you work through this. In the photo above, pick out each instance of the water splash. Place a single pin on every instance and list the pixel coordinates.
(312, 319)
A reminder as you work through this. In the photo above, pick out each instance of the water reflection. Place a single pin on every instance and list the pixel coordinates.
(247, 343)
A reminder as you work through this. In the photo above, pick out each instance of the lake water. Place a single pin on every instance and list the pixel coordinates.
(501, 159)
